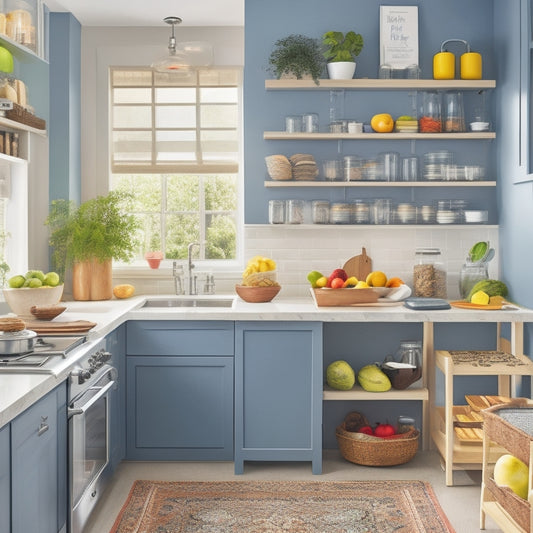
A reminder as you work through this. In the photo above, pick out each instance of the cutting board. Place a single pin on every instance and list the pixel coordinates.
(359, 266)
(59, 328)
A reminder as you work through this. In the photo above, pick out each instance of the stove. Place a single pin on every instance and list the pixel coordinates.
(48, 356)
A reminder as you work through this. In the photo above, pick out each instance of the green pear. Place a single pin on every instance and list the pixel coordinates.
(6, 60)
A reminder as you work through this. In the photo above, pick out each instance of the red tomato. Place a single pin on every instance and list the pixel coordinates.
(337, 283)
(366, 429)
(384, 430)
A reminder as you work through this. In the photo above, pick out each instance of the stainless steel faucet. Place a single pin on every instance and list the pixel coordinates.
(192, 279)
(177, 272)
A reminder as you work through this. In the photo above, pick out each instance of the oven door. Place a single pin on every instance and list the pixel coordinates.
(89, 444)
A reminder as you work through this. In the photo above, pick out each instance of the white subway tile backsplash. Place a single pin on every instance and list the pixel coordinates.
(298, 250)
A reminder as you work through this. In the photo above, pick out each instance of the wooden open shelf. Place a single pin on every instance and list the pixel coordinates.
(286, 136)
(358, 393)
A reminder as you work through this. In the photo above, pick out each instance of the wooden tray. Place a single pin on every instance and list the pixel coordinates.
(343, 297)
(480, 402)
(59, 328)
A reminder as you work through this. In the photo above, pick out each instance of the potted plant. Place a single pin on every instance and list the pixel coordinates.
(340, 52)
(88, 237)
(297, 56)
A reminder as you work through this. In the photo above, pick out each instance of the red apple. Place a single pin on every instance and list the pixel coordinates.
(337, 273)
(367, 430)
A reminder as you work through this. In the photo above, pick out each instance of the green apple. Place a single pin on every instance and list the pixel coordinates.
(39, 274)
(51, 279)
(313, 276)
(509, 471)
(6, 60)
(16, 282)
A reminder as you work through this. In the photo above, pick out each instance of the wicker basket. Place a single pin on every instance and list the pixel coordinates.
(19, 114)
(375, 451)
(279, 167)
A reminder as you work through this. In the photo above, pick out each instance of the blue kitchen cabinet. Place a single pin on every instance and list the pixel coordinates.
(5, 479)
(39, 466)
(179, 390)
(116, 346)
(278, 392)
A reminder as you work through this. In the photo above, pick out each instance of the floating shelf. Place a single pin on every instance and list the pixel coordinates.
(380, 84)
(13, 125)
(358, 393)
(284, 136)
(293, 183)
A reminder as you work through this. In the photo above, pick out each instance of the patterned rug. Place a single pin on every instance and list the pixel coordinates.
(284, 506)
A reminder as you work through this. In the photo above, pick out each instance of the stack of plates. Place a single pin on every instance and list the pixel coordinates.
(304, 167)
(434, 164)
(476, 216)
(446, 216)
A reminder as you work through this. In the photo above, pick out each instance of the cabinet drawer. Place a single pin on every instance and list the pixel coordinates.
(39, 419)
(146, 337)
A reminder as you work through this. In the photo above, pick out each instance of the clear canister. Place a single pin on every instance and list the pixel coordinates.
(353, 168)
(320, 211)
(430, 120)
(470, 274)
(429, 275)
(410, 353)
(276, 211)
(295, 211)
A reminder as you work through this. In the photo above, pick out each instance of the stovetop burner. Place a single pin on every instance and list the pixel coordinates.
(41, 357)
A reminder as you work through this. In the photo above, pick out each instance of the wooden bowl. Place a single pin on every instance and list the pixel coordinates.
(46, 312)
(257, 294)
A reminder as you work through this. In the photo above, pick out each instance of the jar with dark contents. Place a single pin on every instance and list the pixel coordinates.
(429, 275)
(430, 119)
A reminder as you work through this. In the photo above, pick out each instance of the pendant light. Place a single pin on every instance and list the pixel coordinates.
(183, 56)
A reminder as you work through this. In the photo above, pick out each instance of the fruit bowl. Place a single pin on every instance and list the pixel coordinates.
(22, 300)
(257, 294)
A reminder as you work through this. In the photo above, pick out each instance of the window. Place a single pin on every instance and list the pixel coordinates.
(175, 143)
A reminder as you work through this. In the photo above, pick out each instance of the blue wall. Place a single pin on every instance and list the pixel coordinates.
(265, 22)
(65, 107)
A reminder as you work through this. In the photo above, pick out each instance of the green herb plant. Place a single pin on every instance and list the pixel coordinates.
(100, 228)
(297, 55)
(340, 47)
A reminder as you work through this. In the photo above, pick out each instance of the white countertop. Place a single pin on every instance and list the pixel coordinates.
(20, 391)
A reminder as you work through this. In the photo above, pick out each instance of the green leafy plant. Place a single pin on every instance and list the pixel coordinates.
(100, 228)
(340, 47)
(298, 55)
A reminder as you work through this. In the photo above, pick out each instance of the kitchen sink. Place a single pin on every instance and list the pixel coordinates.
(189, 302)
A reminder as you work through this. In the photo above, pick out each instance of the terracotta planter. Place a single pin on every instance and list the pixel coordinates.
(154, 259)
(92, 280)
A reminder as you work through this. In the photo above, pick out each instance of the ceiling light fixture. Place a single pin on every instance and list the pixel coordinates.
(183, 56)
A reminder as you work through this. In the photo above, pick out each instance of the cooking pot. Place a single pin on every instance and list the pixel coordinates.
(17, 342)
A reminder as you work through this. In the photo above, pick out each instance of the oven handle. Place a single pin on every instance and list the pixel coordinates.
(102, 392)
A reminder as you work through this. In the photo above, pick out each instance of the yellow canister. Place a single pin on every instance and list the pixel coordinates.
(471, 66)
(444, 66)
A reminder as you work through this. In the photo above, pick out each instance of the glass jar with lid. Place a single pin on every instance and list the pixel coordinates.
(470, 274)
(430, 120)
(410, 353)
(429, 275)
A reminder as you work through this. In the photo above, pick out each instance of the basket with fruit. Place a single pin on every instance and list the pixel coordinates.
(259, 281)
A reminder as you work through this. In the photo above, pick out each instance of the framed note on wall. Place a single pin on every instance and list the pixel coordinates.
(398, 33)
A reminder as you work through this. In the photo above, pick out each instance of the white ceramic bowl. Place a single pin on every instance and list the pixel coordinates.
(21, 300)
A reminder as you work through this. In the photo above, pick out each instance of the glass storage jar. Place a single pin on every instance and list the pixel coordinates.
(410, 353)
(470, 274)
(430, 120)
(295, 211)
(320, 211)
(429, 276)
(276, 211)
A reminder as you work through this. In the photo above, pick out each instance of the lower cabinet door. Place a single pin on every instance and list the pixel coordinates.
(34, 461)
(278, 392)
(5, 479)
(179, 408)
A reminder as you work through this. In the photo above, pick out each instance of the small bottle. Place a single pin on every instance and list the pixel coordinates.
(429, 276)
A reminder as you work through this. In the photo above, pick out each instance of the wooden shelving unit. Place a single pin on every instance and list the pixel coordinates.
(458, 456)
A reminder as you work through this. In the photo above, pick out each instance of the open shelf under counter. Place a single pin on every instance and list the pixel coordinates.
(326, 136)
(358, 393)
(317, 183)
(379, 84)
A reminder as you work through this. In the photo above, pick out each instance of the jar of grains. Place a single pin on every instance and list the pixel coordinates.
(429, 276)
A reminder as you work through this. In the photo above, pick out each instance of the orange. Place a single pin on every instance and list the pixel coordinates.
(394, 282)
(376, 279)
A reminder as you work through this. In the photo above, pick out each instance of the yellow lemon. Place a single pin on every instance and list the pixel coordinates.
(480, 298)
(322, 282)
(362, 285)
(376, 279)
(123, 291)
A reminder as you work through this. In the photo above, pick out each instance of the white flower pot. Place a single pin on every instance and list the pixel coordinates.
(341, 70)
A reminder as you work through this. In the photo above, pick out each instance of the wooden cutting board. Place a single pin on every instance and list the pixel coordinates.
(359, 266)
(43, 327)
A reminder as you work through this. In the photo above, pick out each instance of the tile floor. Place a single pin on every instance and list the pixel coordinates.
(460, 502)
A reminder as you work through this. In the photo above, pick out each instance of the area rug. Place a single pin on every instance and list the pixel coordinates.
(284, 506)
